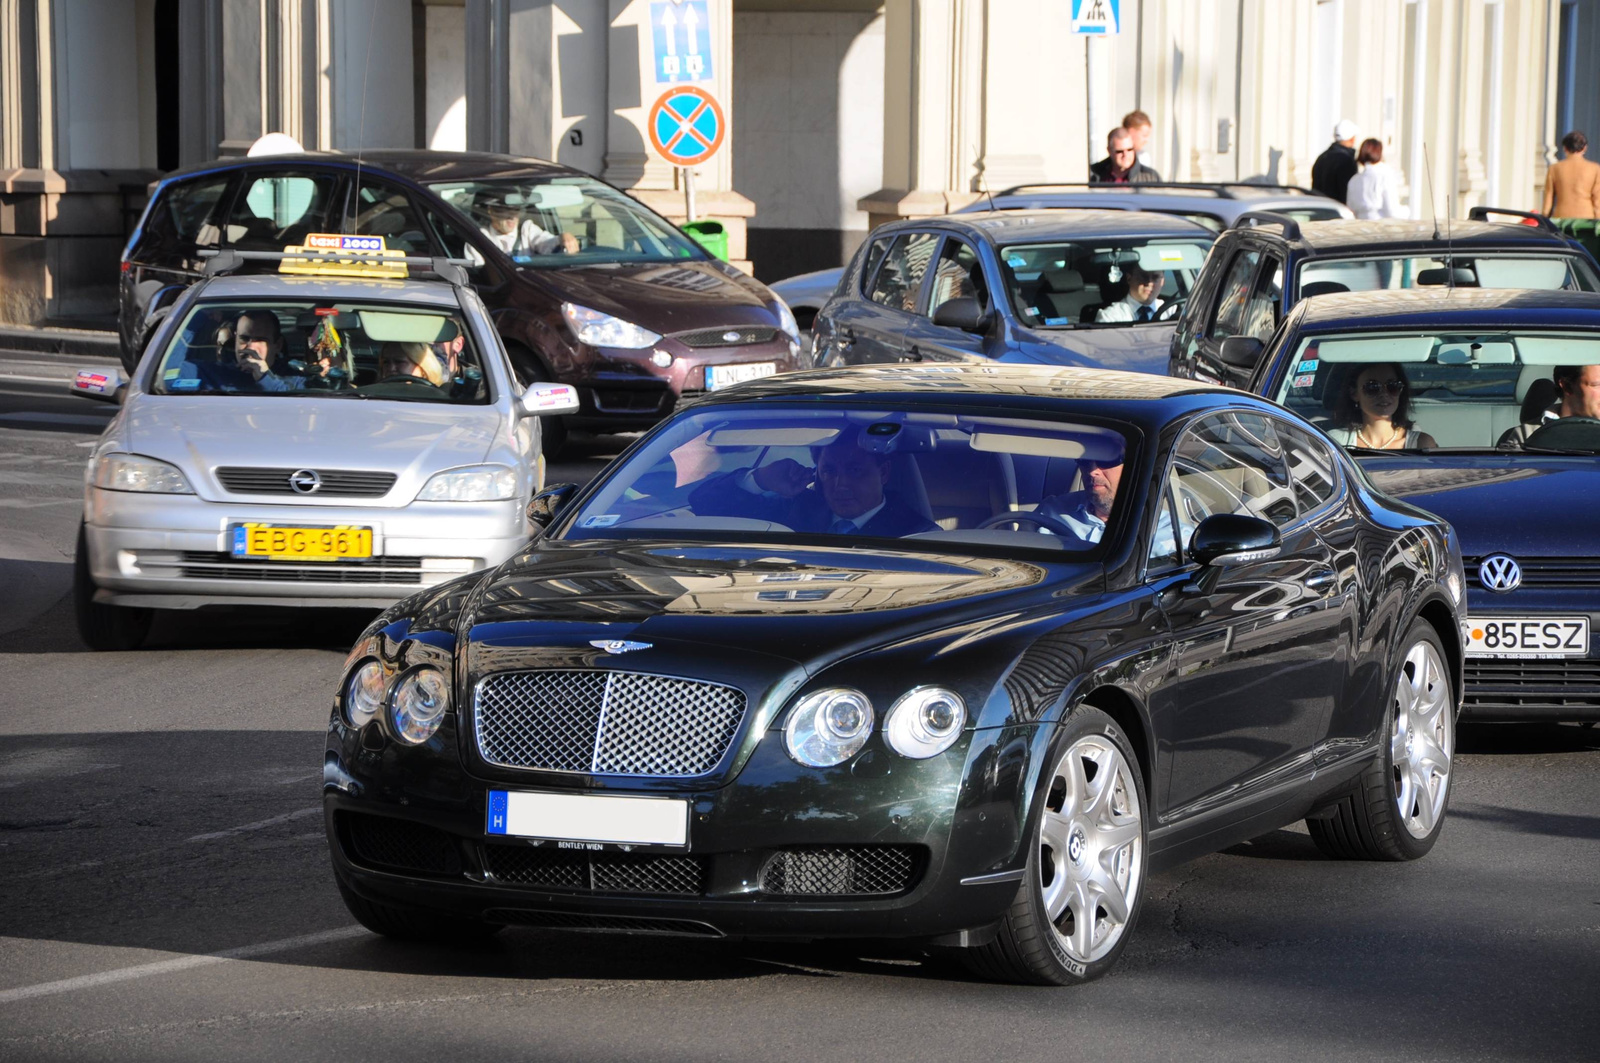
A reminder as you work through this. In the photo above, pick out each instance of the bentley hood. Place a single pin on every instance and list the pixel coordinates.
(811, 605)
(1523, 504)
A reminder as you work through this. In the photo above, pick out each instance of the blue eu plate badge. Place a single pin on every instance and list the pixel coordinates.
(497, 812)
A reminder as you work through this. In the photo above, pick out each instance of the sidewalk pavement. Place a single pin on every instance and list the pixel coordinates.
(67, 342)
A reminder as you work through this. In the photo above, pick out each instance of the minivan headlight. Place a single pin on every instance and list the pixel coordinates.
(603, 330)
(828, 727)
(135, 472)
(418, 704)
(786, 321)
(475, 483)
(925, 722)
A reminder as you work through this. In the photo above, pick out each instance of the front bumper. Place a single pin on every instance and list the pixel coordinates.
(173, 551)
(879, 847)
(1534, 688)
(620, 390)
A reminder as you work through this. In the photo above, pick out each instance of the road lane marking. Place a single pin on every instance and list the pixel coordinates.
(273, 822)
(183, 963)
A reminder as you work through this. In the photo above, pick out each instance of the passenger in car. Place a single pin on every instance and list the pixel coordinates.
(1577, 395)
(851, 495)
(1141, 303)
(508, 230)
(1086, 511)
(410, 360)
(1374, 412)
(257, 352)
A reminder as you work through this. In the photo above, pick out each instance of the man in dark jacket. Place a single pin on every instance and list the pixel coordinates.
(849, 497)
(1121, 166)
(1331, 173)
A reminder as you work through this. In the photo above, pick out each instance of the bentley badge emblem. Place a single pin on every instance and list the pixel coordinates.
(618, 645)
(305, 481)
(1500, 573)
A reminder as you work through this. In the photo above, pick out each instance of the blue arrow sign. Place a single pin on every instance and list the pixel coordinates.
(681, 30)
(1098, 17)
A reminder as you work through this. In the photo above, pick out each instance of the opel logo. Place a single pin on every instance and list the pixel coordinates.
(1500, 573)
(618, 645)
(305, 481)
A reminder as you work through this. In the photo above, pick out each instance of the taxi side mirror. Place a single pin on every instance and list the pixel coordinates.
(549, 400)
(103, 384)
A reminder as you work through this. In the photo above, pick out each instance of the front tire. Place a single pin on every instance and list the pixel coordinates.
(104, 627)
(1080, 896)
(1398, 806)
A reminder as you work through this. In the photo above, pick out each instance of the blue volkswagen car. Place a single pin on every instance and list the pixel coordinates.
(1502, 388)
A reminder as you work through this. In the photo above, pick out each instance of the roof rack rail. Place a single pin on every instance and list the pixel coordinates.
(1483, 213)
(1219, 189)
(227, 260)
(1291, 226)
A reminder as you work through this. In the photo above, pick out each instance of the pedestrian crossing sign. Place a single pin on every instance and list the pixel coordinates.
(1098, 17)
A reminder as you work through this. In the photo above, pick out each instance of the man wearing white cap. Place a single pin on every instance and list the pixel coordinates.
(1331, 173)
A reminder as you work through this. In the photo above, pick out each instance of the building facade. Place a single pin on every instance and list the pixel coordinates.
(842, 114)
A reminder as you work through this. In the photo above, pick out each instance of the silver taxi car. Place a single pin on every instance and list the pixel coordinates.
(305, 440)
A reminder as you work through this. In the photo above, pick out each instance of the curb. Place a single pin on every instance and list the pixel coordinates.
(63, 341)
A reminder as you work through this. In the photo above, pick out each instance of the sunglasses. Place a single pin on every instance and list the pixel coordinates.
(1378, 387)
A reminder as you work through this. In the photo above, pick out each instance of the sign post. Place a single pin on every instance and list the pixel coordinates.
(1095, 20)
(686, 127)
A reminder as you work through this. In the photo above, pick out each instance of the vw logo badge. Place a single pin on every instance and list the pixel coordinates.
(618, 645)
(1500, 573)
(730, 337)
(305, 481)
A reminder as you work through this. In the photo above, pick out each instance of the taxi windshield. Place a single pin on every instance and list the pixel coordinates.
(1428, 390)
(1101, 282)
(564, 221)
(323, 350)
(924, 479)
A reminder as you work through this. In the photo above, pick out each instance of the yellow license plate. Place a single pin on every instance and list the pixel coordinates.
(278, 543)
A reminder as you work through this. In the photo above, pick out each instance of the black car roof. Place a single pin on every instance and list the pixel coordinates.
(1033, 226)
(1335, 237)
(1142, 398)
(1450, 307)
(415, 165)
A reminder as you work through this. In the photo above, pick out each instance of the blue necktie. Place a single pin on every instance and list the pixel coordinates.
(1144, 313)
(842, 527)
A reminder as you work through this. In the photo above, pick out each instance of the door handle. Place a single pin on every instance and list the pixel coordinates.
(913, 355)
(844, 339)
(1322, 579)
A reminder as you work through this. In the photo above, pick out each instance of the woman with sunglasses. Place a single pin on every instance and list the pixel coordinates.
(1374, 412)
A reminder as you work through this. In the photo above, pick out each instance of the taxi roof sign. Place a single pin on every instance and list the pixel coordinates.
(344, 255)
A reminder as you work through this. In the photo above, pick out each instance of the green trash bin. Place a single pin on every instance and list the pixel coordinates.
(710, 235)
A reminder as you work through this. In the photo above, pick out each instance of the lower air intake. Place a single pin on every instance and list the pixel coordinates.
(875, 870)
(614, 924)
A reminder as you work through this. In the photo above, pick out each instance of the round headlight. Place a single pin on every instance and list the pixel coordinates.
(925, 722)
(363, 693)
(828, 727)
(420, 700)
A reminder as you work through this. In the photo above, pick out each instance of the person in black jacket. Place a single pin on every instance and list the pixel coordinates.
(1121, 166)
(848, 497)
(1331, 173)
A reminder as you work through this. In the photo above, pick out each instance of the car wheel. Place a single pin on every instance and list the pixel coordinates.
(1084, 882)
(101, 626)
(552, 430)
(1399, 802)
(414, 924)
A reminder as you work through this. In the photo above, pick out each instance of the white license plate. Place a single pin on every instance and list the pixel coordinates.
(722, 376)
(1528, 636)
(589, 818)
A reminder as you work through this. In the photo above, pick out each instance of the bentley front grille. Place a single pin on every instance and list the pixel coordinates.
(1550, 685)
(330, 483)
(605, 723)
(852, 871)
(567, 869)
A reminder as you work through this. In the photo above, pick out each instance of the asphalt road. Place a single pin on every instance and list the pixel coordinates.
(165, 893)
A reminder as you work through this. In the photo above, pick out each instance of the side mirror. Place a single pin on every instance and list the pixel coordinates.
(963, 313)
(549, 400)
(1233, 539)
(1241, 352)
(103, 384)
(547, 505)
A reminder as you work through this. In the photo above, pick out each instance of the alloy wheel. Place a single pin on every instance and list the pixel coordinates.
(1422, 743)
(1091, 848)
